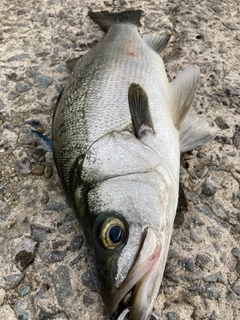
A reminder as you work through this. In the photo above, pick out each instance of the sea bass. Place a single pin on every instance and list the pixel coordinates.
(118, 130)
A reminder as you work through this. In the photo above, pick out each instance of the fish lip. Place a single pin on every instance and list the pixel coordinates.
(137, 276)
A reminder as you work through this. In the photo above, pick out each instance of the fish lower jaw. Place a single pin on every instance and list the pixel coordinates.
(139, 284)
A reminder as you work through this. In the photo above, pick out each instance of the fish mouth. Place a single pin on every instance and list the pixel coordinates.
(141, 279)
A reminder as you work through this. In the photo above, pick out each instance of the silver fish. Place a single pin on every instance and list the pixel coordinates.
(118, 131)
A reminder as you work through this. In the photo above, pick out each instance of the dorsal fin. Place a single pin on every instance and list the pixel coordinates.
(139, 109)
(183, 88)
(105, 19)
(157, 43)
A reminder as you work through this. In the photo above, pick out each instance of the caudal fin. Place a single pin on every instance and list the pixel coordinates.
(105, 19)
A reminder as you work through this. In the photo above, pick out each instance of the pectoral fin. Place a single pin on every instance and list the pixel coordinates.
(139, 109)
(183, 88)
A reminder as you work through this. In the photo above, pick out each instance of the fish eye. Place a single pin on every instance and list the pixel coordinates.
(113, 233)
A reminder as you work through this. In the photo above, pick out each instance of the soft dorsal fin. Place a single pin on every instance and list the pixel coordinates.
(157, 43)
(105, 19)
(139, 109)
(183, 88)
(195, 132)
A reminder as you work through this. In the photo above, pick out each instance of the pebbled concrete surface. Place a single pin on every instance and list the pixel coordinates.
(56, 277)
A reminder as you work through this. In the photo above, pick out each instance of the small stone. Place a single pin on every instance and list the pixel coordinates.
(214, 233)
(197, 220)
(39, 232)
(236, 252)
(37, 154)
(172, 316)
(59, 243)
(230, 91)
(59, 316)
(43, 82)
(65, 228)
(37, 169)
(2, 296)
(7, 313)
(22, 87)
(218, 209)
(230, 296)
(236, 290)
(24, 166)
(13, 95)
(194, 236)
(236, 138)
(20, 312)
(53, 206)
(32, 72)
(223, 50)
(89, 279)
(170, 273)
(208, 213)
(23, 11)
(186, 264)
(214, 316)
(221, 123)
(1, 104)
(19, 57)
(192, 276)
(47, 171)
(68, 215)
(216, 277)
(44, 197)
(87, 301)
(52, 256)
(208, 188)
(62, 284)
(25, 253)
(238, 269)
(11, 276)
(230, 25)
(24, 291)
(209, 291)
(76, 243)
(77, 259)
(202, 260)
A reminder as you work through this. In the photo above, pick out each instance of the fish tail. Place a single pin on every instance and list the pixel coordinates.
(105, 19)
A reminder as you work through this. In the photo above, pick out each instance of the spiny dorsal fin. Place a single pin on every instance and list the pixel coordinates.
(157, 43)
(195, 132)
(184, 87)
(105, 19)
(139, 109)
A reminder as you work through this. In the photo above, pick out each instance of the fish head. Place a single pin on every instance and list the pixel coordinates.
(130, 235)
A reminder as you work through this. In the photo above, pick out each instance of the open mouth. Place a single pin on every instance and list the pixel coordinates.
(141, 276)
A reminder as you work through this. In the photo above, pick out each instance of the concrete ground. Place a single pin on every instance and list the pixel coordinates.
(45, 265)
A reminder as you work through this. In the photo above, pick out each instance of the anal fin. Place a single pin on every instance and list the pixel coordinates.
(184, 87)
(139, 109)
(195, 132)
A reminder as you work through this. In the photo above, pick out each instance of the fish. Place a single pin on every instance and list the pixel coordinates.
(119, 128)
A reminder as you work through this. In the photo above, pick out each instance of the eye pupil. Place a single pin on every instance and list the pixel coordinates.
(115, 234)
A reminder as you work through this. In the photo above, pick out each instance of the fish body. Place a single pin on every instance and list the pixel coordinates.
(118, 130)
